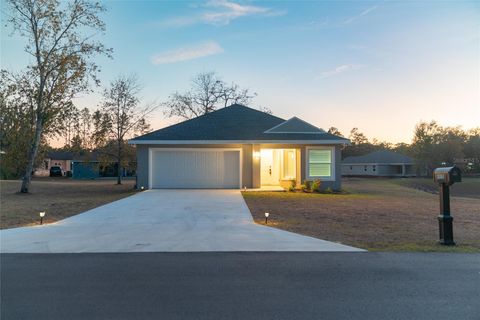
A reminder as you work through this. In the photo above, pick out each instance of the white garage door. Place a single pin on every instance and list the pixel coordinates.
(196, 169)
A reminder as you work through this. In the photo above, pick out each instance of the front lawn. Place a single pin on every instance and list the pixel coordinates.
(59, 197)
(377, 214)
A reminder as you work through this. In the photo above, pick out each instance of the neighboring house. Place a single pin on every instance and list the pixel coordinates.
(82, 166)
(96, 169)
(379, 163)
(237, 147)
(61, 159)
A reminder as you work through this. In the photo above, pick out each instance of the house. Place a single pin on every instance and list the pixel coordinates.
(97, 169)
(82, 166)
(61, 159)
(379, 163)
(237, 147)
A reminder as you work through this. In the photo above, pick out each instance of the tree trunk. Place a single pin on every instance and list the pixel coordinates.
(119, 166)
(31, 156)
(119, 173)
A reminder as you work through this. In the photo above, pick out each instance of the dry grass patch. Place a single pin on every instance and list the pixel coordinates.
(59, 197)
(378, 214)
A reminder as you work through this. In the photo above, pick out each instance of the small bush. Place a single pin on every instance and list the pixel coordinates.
(316, 185)
(293, 185)
(307, 186)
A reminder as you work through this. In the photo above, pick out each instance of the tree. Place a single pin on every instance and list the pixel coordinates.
(208, 93)
(356, 137)
(360, 144)
(335, 131)
(62, 67)
(120, 117)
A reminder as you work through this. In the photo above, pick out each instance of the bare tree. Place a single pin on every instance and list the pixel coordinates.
(208, 93)
(335, 131)
(55, 33)
(122, 117)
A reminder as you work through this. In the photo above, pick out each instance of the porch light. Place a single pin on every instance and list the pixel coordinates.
(256, 155)
(42, 214)
(266, 217)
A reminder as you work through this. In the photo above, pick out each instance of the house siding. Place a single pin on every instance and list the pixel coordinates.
(250, 165)
(385, 170)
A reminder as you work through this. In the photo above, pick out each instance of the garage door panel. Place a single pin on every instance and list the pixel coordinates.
(196, 169)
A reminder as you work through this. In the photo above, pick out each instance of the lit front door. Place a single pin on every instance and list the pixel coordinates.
(269, 167)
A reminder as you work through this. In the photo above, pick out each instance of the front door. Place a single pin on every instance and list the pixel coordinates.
(269, 167)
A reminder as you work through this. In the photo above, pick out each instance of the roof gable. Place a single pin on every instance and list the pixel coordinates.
(295, 125)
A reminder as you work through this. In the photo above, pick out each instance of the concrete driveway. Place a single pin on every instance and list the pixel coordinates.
(162, 221)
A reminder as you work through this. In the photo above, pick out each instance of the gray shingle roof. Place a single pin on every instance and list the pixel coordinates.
(67, 155)
(382, 156)
(235, 122)
(294, 125)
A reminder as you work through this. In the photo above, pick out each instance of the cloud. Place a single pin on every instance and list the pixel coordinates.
(338, 70)
(363, 13)
(200, 50)
(220, 12)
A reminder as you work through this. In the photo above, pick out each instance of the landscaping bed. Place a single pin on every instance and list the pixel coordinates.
(59, 197)
(375, 214)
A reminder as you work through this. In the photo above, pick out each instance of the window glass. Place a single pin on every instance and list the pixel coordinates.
(319, 163)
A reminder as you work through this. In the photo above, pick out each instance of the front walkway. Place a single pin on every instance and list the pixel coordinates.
(162, 221)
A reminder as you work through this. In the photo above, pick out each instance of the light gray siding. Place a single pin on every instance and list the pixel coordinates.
(385, 170)
(250, 168)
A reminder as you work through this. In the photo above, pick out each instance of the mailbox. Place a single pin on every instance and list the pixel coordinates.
(447, 176)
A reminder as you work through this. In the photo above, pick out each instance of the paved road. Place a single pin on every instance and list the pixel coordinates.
(253, 285)
(162, 221)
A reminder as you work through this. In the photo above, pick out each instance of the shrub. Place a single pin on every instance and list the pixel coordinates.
(316, 184)
(293, 185)
(306, 186)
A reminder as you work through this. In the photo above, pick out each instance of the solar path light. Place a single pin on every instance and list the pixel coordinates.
(42, 214)
(266, 217)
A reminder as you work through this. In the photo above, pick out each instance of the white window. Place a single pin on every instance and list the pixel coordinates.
(288, 168)
(320, 163)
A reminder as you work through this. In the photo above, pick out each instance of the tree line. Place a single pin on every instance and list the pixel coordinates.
(432, 146)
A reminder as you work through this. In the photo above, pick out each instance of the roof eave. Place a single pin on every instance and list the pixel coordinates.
(200, 142)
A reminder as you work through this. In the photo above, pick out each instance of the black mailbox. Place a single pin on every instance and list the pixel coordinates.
(448, 175)
(445, 177)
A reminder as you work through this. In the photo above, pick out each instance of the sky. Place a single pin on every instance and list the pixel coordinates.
(381, 66)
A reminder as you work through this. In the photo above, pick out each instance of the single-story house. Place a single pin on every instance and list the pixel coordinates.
(96, 169)
(379, 163)
(82, 166)
(238, 147)
(61, 159)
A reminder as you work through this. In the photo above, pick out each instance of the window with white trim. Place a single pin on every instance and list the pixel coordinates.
(320, 163)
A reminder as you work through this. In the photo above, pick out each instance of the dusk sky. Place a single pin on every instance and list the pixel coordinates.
(379, 66)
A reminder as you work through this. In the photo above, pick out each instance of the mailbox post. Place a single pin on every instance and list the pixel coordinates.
(445, 177)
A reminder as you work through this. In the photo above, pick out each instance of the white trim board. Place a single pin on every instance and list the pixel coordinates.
(200, 142)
